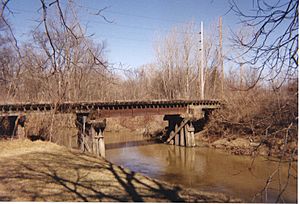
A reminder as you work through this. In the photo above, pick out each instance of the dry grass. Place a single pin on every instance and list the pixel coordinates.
(262, 116)
(43, 171)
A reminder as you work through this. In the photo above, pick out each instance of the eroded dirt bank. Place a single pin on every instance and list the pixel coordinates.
(243, 145)
(43, 171)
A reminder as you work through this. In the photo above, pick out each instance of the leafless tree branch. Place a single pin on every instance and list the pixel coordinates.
(272, 49)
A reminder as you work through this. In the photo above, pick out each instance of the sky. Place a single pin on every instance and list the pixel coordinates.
(136, 24)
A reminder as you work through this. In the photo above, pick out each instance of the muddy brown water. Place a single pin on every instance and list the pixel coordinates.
(202, 168)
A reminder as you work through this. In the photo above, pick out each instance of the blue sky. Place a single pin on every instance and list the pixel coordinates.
(137, 23)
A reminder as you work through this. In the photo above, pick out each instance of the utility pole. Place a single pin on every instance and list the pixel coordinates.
(201, 70)
(221, 57)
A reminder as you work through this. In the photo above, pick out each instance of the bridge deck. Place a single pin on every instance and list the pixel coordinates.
(110, 109)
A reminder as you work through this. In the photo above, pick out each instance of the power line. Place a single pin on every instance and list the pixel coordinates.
(123, 25)
(138, 27)
(108, 37)
(115, 12)
(129, 39)
(129, 14)
(15, 11)
(135, 40)
(120, 25)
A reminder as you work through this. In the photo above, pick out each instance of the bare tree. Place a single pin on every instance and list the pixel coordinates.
(273, 47)
(178, 59)
(61, 61)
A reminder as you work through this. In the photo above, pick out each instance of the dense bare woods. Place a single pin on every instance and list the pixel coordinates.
(59, 64)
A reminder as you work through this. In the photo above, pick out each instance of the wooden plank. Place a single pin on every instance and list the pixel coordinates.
(171, 141)
(94, 140)
(177, 135)
(20, 132)
(172, 134)
(83, 134)
(187, 135)
(182, 141)
(101, 144)
(192, 135)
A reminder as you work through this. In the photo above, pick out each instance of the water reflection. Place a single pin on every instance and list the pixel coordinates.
(199, 168)
(135, 143)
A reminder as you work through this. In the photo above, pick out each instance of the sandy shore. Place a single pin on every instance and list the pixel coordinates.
(43, 171)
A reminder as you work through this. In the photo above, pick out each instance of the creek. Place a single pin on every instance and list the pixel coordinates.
(202, 168)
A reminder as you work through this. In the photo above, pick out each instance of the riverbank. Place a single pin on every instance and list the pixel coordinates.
(43, 171)
(237, 144)
(249, 146)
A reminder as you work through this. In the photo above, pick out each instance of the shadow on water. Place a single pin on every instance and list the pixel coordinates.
(136, 143)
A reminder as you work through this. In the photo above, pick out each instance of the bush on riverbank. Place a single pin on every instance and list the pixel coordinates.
(267, 118)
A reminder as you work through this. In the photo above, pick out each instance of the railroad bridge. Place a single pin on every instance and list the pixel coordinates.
(91, 117)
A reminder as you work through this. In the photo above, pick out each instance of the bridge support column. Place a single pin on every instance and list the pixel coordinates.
(191, 131)
(82, 134)
(191, 135)
(177, 135)
(98, 145)
(182, 139)
(90, 135)
(187, 135)
(19, 129)
(82, 139)
(21, 132)
(183, 134)
(94, 141)
(172, 142)
(101, 144)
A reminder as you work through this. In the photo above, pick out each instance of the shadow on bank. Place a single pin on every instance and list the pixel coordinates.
(41, 176)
